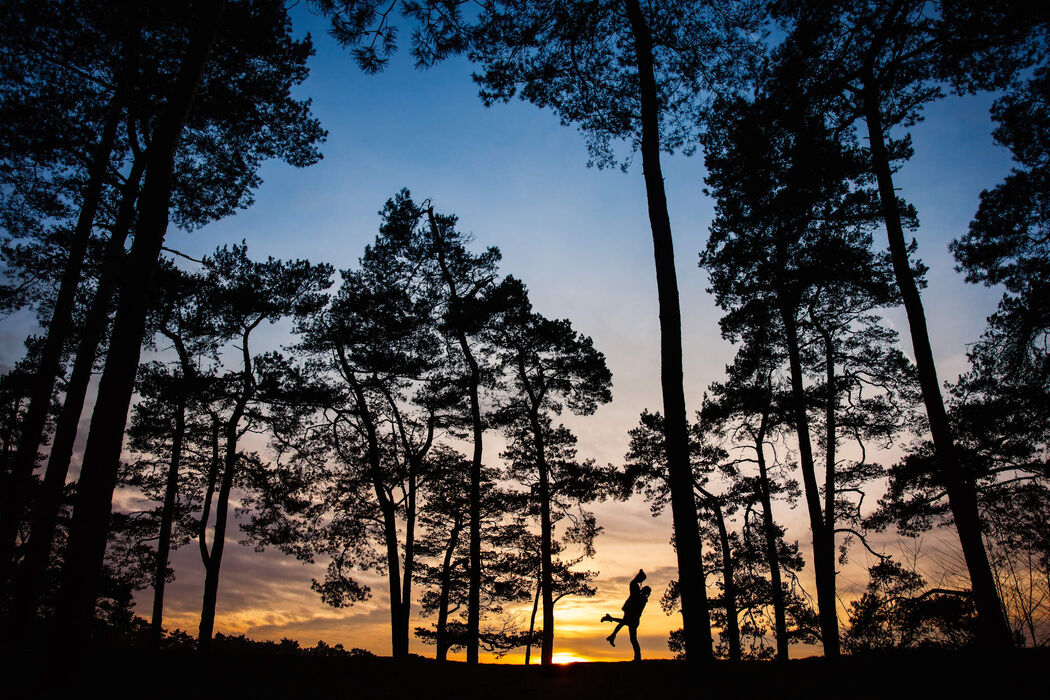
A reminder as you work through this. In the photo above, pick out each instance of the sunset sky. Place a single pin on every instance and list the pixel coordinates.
(580, 240)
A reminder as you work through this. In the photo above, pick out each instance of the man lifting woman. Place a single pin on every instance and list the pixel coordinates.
(632, 613)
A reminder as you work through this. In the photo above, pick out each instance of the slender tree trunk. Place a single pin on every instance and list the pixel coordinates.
(772, 556)
(38, 555)
(696, 620)
(446, 585)
(414, 459)
(209, 491)
(962, 497)
(398, 622)
(532, 621)
(409, 565)
(547, 577)
(218, 544)
(728, 580)
(823, 548)
(202, 531)
(474, 589)
(473, 385)
(830, 406)
(167, 517)
(31, 432)
(222, 503)
(546, 544)
(171, 488)
(89, 529)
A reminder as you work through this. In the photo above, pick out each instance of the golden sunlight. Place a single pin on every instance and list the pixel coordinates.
(567, 657)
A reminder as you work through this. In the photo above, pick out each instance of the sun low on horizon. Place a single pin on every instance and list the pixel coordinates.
(567, 657)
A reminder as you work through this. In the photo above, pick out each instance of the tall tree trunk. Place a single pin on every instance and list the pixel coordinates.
(171, 488)
(446, 585)
(962, 497)
(830, 429)
(474, 585)
(823, 549)
(535, 396)
(89, 529)
(772, 556)
(414, 460)
(696, 620)
(473, 385)
(31, 432)
(42, 536)
(398, 618)
(209, 491)
(830, 407)
(532, 621)
(410, 556)
(398, 621)
(222, 507)
(728, 578)
(546, 551)
(167, 518)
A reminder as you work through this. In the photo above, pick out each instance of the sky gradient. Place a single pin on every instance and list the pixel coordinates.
(580, 240)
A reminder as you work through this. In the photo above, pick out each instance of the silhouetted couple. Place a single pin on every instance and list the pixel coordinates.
(632, 613)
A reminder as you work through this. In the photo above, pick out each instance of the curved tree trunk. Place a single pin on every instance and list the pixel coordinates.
(171, 488)
(209, 491)
(398, 618)
(823, 545)
(830, 406)
(546, 545)
(477, 428)
(410, 559)
(446, 585)
(728, 579)
(89, 529)
(167, 518)
(474, 586)
(696, 620)
(962, 498)
(218, 545)
(772, 556)
(535, 396)
(532, 622)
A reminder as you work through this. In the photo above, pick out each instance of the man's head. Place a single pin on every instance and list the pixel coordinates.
(641, 575)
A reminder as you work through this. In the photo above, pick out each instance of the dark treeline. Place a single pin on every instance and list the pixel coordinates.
(359, 443)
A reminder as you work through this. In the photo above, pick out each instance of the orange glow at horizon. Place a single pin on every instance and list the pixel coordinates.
(567, 657)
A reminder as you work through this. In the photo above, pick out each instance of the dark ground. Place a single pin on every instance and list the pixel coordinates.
(135, 674)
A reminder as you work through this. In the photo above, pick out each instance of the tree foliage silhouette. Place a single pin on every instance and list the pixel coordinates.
(215, 168)
(624, 72)
(880, 62)
(546, 365)
(171, 397)
(790, 249)
(247, 294)
(621, 72)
